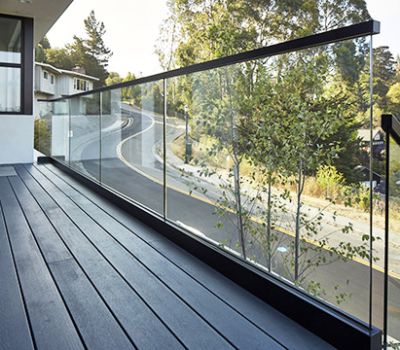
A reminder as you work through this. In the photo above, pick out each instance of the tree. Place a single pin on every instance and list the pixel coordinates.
(89, 53)
(281, 117)
(201, 30)
(393, 97)
(384, 74)
(40, 50)
(95, 47)
(113, 78)
(59, 58)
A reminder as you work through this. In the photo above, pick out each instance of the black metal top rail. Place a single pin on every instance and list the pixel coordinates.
(336, 35)
(391, 125)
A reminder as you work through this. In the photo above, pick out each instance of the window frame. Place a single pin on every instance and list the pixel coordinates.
(25, 66)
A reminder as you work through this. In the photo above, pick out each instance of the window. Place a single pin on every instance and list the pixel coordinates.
(81, 85)
(10, 40)
(45, 75)
(16, 65)
(52, 79)
(10, 65)
(10, 89)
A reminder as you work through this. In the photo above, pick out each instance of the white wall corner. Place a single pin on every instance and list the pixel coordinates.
(16, 139)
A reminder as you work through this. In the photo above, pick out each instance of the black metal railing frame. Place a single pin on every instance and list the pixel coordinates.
(354, 31)
(391, 126)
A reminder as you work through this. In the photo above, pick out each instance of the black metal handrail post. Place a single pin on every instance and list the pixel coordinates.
(391, 126)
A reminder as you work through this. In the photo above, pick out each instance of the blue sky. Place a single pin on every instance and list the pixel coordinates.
(133, 28)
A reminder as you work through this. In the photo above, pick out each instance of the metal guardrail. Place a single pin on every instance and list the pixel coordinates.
(372, 336)
(391, 125)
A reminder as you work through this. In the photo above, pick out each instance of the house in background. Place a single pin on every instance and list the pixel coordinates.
(52, 82)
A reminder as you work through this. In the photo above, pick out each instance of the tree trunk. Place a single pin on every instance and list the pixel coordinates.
(239, 215)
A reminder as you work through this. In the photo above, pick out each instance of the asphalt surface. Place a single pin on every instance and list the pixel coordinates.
(140, 177)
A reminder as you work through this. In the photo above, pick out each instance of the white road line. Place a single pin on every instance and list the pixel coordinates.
(125, 161)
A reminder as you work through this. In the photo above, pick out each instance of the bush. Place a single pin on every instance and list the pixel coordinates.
(330, 180)
(42, 136)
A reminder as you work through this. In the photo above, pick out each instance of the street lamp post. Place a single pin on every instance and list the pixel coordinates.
(188, 145)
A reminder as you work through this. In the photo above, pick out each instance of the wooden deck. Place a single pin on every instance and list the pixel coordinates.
(76, 272)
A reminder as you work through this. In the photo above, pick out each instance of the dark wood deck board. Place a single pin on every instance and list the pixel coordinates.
(46, 308)
(191, 329)
(145, 328)
(212, 309)
(96, 323)
(261, 314)
(104, 280)
(14, 327)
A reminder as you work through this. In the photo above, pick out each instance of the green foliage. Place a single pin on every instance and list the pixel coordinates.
(40, 50)
(113, 78)
(330, 180)
(42, 141)
(279, 121)
(201, 30)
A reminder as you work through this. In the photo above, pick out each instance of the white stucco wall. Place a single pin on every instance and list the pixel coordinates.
(16, 139)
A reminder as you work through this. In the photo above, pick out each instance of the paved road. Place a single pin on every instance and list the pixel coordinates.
(140, 175)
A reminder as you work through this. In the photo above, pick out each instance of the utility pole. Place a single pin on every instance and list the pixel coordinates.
(188, 145)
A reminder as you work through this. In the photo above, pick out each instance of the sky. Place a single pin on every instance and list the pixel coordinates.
(133, 27)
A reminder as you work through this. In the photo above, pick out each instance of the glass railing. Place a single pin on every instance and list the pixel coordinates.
(269, 155)
(394, 246)
(391, 125)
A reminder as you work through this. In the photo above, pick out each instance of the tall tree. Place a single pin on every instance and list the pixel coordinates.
(40, 50)
(204, 29)
(95, 46)
(89, 53)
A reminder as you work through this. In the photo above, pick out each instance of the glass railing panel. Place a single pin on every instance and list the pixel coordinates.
(42, 128)
(60, 131)
(393, 307)
(132, 143)
(269, 160)
(199, 149)
(84, 152)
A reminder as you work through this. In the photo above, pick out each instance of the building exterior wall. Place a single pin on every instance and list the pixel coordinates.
(16, 139)
(16, 126)
(47, 86)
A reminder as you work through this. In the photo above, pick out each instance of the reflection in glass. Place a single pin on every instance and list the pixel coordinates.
(10, 40)
(84, 135)
(131, 150)
(60, 131)
(10, 89)
(393, 311)
(266, 160)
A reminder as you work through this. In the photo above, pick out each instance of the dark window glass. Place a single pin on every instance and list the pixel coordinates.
(10, 40)
(45, 75)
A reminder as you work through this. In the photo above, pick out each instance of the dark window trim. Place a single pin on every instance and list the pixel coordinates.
(26, 66)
